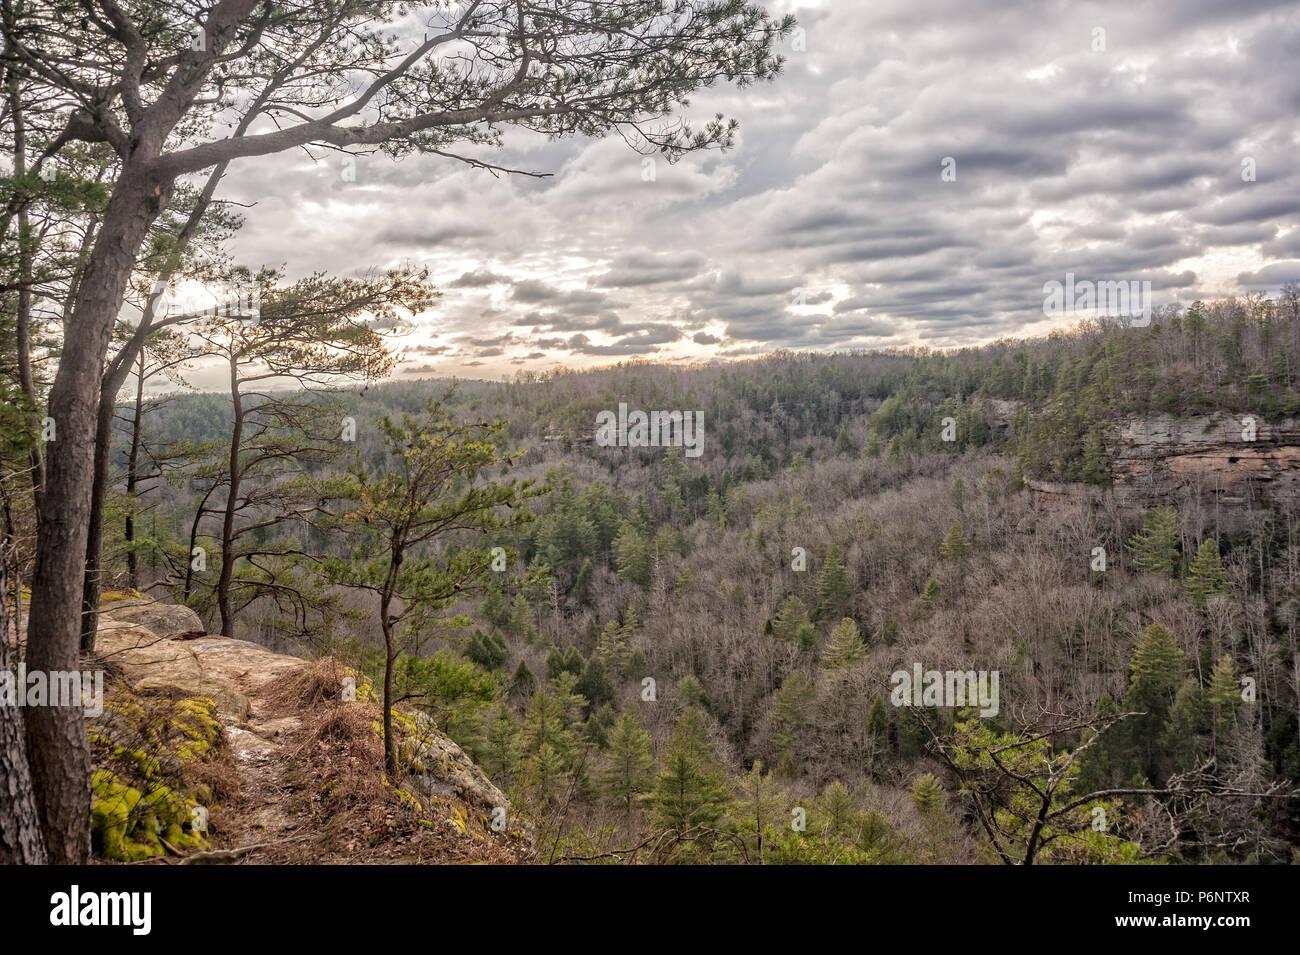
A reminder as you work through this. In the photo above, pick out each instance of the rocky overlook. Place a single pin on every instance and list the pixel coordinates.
(283, 768)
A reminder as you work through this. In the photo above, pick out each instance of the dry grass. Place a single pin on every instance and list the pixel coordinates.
(322, 682)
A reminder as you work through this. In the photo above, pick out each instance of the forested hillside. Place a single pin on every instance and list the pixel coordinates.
(694, 658)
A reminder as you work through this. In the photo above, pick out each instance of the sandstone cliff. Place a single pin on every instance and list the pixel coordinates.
(1234, 460)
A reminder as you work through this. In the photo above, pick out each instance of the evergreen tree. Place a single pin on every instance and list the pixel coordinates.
(690, 692)
(1155, 672)
(595, 684)
(546, 776)
(630, 772)
(546, 723)
(954, 545)
(689, 789)
(791, 716)
(582, 586)
(632, 555)
(759, 808)
(930, 595)
(1155, 546)
(833, 591)
(487, 650)
(523, 683)
(845, 645)
(501, 752)
(521, 623)
(928, 794)
(1093, 468)
(612, 646)
(1181, 739)
(878, 721)
(792, 624)
(1205, 575)
(836, 810)
(1224, 695)
(570, 661)
(929, 797)
(495, 607)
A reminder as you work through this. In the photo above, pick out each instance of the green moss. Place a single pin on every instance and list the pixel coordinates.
(141, 801)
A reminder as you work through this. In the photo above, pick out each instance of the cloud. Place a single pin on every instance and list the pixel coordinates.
(1121, 163)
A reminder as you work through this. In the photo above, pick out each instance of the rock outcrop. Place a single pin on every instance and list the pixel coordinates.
(249, 690)
(1232, 459)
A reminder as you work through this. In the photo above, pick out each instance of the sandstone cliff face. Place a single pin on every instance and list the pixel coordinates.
(1223, 458)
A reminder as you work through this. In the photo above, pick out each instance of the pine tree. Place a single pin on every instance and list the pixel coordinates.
(546, 776)
(612, 646)
(523, 683)
(842, 443)
(1155, 546)
(546, 723)
(931, 594)
(595, 684)
(495, 608)
(872, 450)
(878, 721)
(929, 797)
(689, 788)
(1224, 695)
(928, 794)
(845, 645)
(1206, 576)
(690, 692)
(569, 661)
(630, 772)
(501, 754)
(521, 622)
(759, 807)
(1182, 732)
(632, 555)
(1093, 468)
(487, 650)
(1155, 672)
(835, 808)
(791, 715)
(582, 586)
(833, 591)
(792, 624)
(954, 545)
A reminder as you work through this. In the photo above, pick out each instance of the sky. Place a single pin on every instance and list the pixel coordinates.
(915, 176)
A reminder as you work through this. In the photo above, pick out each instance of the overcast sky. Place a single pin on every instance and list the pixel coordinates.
(1119, 163)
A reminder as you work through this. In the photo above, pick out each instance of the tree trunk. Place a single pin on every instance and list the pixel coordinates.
(114, 377)
(57, 747)
(20, 831)
(90, 589)
(232, 501)
(390, 747)
(132, 466)
(23, 317)
(194, 537)
(386, 594)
